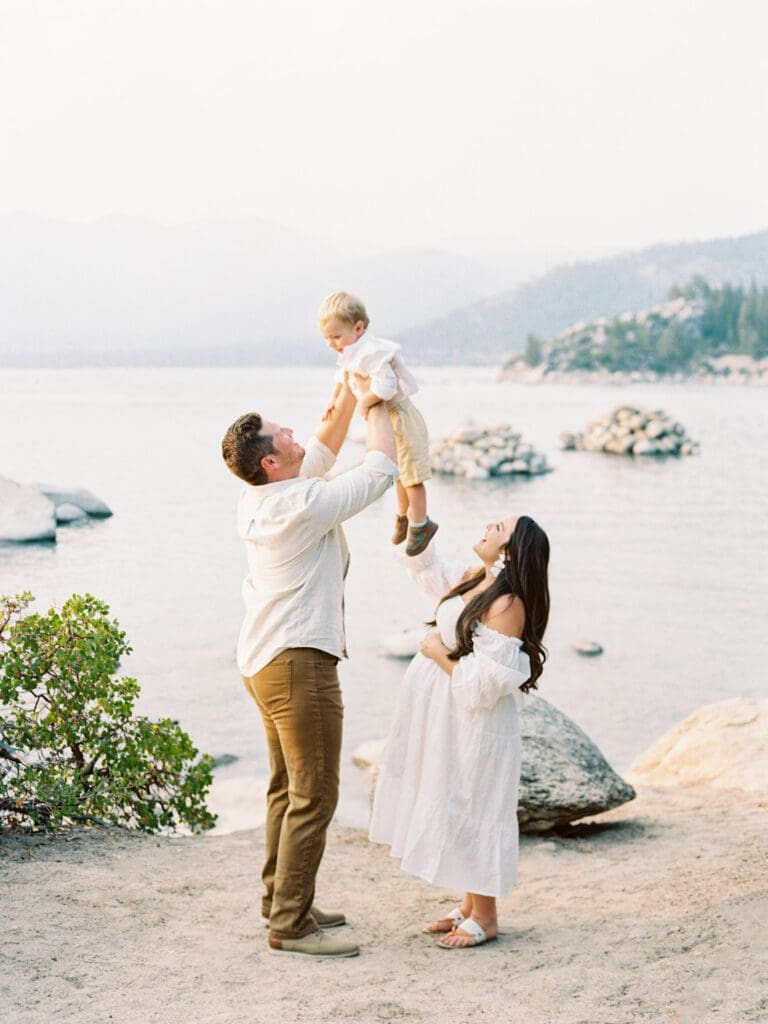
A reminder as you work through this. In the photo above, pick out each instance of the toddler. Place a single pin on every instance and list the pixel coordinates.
(343, 323)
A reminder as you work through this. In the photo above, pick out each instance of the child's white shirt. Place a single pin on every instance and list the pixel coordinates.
(381, 361)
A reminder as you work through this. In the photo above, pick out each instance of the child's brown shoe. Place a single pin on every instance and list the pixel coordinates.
(401, 529)
(420, 536)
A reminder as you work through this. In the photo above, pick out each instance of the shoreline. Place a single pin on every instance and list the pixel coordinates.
(651, 912)
(534, 376)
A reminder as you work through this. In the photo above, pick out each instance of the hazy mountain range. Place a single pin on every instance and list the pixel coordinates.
(127, 291)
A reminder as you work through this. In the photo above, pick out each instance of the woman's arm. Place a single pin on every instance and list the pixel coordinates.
(432, 647)
(431, 574)
(495, 668)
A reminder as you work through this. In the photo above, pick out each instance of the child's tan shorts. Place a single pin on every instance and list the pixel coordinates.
(412, 443)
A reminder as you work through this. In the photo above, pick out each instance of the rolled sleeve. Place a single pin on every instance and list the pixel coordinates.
(334, 501)
(318, 459)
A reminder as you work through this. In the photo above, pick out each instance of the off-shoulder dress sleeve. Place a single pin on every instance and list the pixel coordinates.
(433, 576)
(496, 668)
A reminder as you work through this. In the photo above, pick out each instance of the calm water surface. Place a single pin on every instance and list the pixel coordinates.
(664, 562)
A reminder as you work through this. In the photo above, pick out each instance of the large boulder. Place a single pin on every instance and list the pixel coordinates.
(563, 776)
(479, 452)
(25, 514)
(81, 498)
(724, 745)
(629, 430)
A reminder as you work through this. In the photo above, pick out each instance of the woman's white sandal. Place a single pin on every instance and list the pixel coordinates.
(474, 931)
(455, 916)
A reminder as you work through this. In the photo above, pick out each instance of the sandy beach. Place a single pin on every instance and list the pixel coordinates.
(654, 912)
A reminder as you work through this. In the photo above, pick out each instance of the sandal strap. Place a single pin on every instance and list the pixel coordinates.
(472, 928)
(454, 915)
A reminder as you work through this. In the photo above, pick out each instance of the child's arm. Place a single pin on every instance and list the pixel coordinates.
(334, 399)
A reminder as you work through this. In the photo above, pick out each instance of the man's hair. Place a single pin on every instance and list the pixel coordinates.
(244, 447)
(343, 306)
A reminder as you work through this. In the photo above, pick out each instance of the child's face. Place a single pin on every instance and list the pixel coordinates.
(340, 333)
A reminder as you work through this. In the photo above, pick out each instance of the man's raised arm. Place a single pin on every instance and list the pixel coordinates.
(380, 437)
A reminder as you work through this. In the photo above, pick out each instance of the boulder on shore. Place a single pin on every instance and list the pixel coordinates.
(80, 497)
(25, 514)
(31, 512)
(478, 453)
(724, 745)
(68, 513)
(563, 776)
(405, 644)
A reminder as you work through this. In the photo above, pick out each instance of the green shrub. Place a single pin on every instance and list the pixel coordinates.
(71, 748)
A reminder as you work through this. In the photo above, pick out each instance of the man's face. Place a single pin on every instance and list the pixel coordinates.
(288, 453)
(339, 333)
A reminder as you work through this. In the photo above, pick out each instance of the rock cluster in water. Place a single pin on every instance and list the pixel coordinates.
(32, 513)
(563, 775)
(480, 452)
(628, 430)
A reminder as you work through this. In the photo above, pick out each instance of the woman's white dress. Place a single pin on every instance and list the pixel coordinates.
(446, 797)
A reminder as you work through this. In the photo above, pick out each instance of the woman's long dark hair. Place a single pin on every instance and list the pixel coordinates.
(526, 560)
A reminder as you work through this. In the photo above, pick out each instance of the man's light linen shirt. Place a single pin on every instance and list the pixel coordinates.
(298, 556)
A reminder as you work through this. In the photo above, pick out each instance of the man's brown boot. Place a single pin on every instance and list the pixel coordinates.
(323, 918)
(318, 944)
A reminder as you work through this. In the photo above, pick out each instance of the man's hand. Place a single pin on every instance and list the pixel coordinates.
(366, 403)
(367, 398)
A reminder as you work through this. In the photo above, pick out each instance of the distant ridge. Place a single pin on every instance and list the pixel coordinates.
(491, 329)
(126, 291)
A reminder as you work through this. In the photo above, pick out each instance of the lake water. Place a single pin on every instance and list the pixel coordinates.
(664, 562)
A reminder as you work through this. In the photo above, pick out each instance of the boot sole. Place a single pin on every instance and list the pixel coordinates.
(312, 956)
(322, 927)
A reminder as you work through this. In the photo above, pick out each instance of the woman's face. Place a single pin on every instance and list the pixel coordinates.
(496, 536)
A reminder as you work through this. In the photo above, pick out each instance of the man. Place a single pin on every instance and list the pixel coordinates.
(291, 640)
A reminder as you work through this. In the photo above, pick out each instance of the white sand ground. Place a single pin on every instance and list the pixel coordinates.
(656, 912)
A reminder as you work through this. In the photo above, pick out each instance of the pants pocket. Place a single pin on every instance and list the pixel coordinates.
(273, 686)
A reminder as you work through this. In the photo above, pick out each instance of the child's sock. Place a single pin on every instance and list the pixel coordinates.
(418, 526)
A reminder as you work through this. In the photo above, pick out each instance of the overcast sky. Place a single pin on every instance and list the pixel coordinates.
(591, 123)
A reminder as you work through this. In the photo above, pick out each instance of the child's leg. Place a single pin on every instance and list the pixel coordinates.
(401, 519)
(402, 499)
(416, 503)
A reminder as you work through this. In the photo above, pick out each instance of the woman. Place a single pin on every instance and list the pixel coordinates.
(446, 798)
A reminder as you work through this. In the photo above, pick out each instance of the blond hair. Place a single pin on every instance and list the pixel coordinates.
(343, 306)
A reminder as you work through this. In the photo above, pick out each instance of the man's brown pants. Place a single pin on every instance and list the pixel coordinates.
(299, 697)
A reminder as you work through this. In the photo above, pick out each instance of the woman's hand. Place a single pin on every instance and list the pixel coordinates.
(432, 646)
